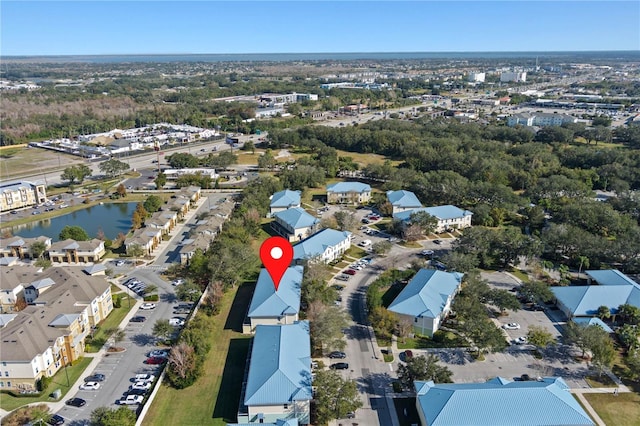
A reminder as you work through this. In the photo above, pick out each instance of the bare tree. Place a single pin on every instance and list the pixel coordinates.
(182, 360)
(404, 327)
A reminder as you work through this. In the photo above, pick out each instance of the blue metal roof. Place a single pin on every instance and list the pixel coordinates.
(297, 218)
(342, 187)
(440, 212)
(426, 294)
(404, 199)
(585, 300)
(286, 198)
(280, 366)
(586, 321)
(318, 243)
(501, 402)
(609, 277)
(279, 422)
(267, 302)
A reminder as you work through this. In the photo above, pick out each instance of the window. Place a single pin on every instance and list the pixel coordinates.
(6, 374)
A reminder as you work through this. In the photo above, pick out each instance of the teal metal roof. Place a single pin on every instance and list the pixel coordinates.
(426, 294)
(318, 243)
(297, 218)
(280, 365)
(267, 302)
(286, 198)
(585, 300)
(441, 212)
(501, 402)
(403, 199)
(344, 187)
(609, 277)
(585, 321)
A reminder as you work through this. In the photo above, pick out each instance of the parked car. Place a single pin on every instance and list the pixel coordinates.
(95, 378)
(511, 326)
(337, 354)
(148, 306)
(141, 385)
(90, 386)
(339, 366)
(76, 402)
(120, 263)
(343, 277)
(136, 392)
(154, 360)
(131, 400)
(426, 252)
(176, 322)
(138, 318)
(350, 272)
(163, 353)
(408, 354)
(350, 415)
(56, 420)
(337, 287)
(520, 340)
(145, 377)
(437, 242)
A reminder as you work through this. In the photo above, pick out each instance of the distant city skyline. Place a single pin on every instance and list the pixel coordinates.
(31, 28)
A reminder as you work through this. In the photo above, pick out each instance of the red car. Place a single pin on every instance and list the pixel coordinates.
(155, 360)
(350, 272)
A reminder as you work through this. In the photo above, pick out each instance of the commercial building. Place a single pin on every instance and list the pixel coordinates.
(64, 305)
(18, 194)
(540, 119)
(268, 306)
(499, 402)
(325, 246)
(348, 193)
(517, 77)
(449, 217)
(477, 77)
(278, 383)
(427, 299)
(295, 224)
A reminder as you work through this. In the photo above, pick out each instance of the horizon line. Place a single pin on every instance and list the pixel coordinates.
(319, 53)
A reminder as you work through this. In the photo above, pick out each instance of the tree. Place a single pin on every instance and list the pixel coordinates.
(425, 221)
(536, 290)
(182, 366)
(73, 232)
(381, 248)
(225, 159)
(423, 368)
(604, 312)
(160, 180)
(152, 204)
(628, 335)
(404, 328)
(162, 329)
(584, 261)
(267, 160)
(383, 321)
(334, 396)
(135, 251)
(540, 337)
(104, 416)
(629, 314)
(503, 299)
(113, 167)
(118, 336)
(603, 353)
(121, 191)
(347, 221)
(633, 362)
(188, 291)
(37, 249)
(75, 173)
(249, 146)
(412, 232)
(326, 325)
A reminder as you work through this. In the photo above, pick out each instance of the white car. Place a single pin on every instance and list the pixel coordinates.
(158, 352)
(177, 281)
(131, 400)
(90, 386)
(147, 306)
(120, 263)
(176, 321)
(511, 326)
(520, 340)
(141, 385)
(145, 377)
(426, 252)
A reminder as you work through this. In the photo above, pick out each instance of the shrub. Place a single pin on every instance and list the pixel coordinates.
(151, 298)
(397, 387)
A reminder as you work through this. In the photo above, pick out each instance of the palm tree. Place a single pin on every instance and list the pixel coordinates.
(135, 251)
(584, 261)
(118, 336)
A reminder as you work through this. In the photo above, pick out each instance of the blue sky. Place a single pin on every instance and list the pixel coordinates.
(157, 27)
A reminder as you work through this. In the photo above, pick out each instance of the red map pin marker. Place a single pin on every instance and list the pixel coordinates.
(276, 254)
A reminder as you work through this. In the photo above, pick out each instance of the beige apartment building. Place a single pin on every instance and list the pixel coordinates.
(18, 194)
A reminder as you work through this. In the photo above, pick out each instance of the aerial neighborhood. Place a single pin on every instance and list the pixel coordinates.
(465, 242)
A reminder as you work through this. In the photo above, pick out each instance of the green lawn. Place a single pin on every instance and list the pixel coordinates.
(620, 410)
(450, 340)
(106, 328)
(59, 381)
(214, 398)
